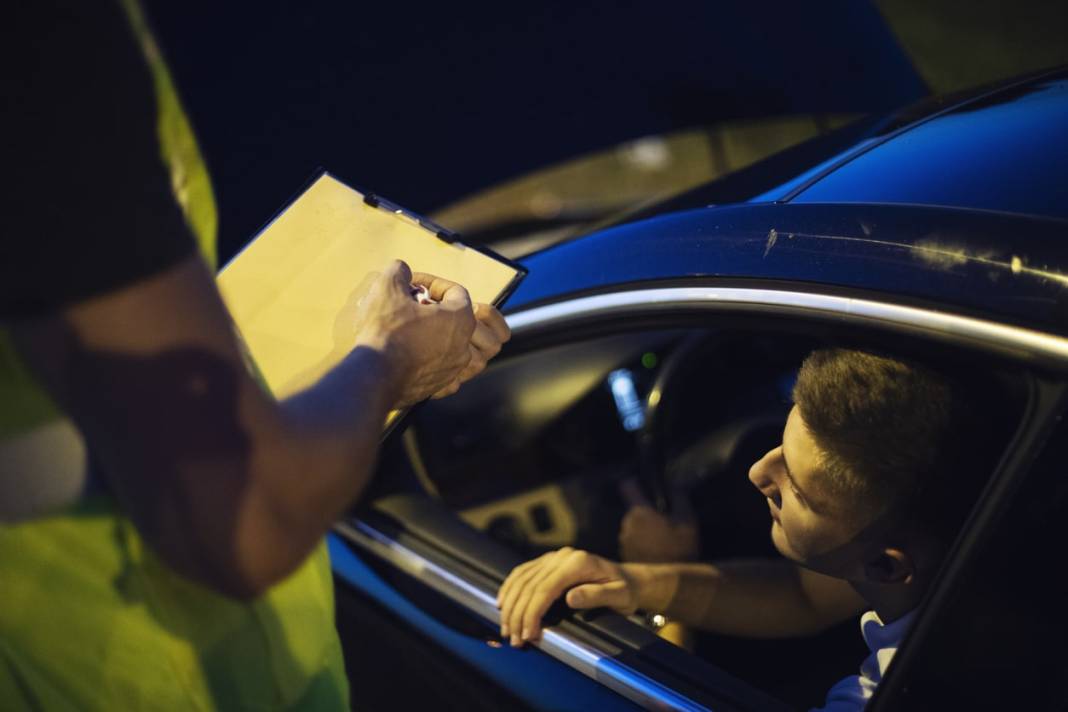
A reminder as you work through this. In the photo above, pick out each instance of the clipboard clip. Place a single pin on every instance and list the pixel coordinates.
(442, 234)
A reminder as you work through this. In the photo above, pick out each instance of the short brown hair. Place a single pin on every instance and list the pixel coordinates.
(890, 431)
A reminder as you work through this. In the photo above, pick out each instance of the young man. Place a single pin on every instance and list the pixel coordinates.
(878, 466)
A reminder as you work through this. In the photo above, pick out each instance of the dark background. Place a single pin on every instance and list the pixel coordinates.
(425, 103)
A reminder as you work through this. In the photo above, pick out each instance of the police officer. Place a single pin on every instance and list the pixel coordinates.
(161, 517)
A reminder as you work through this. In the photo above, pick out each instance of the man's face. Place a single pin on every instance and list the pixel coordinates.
(809, 525)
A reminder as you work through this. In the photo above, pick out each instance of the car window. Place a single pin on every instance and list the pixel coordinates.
(535, 453)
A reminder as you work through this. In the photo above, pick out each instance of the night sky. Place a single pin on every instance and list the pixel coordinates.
(427, 103)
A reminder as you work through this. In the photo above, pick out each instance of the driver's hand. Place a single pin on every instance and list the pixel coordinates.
(649, 536)
(428, 346)
(532, 587)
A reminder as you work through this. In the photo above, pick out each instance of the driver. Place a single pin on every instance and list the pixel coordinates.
(879, 463)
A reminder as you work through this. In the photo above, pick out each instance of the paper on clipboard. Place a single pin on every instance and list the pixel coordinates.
(293, 291)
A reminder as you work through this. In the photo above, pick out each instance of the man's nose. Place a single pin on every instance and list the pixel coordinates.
(759, 474)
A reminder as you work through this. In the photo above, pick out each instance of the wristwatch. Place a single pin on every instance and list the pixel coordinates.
(654, 621)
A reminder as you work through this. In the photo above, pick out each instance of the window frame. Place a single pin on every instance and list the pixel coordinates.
(629, 305)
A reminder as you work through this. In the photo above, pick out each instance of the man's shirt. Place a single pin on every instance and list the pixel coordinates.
(852, 693)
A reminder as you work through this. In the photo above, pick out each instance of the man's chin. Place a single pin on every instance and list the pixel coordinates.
(778, 539)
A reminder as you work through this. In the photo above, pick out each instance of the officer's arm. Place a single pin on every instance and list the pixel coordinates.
(229, 486)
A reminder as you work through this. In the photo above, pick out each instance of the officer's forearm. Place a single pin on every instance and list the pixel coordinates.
(230, 487)
(309, 460)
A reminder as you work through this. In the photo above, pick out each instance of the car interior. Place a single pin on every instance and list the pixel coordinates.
(531, 455)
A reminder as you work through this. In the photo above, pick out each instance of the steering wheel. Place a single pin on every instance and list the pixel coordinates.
(652, 458)
(660, 473)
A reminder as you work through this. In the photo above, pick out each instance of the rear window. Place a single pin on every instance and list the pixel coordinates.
(1007, 153)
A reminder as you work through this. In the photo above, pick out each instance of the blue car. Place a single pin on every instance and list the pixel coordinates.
(663, 349)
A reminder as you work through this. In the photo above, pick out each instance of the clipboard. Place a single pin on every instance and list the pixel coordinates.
(293, 290)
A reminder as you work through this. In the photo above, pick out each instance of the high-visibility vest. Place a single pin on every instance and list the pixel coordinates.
(90, 617)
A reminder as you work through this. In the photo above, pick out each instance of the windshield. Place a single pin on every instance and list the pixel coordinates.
(968, 158)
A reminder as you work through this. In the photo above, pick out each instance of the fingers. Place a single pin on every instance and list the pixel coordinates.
(632, 494)
(547, 589)
(636, 520)
(400, 273)
(479, 356)
(476, 334)
(443, 290)
(539, 589)
(494, 321)
(475, 365)
(510, 591)
(530, 589)
(485, 340)
(647, 535)
(639, 531)
(509, 582)
(447, 390)
(489, 335)
(613, 594)
(390, 284)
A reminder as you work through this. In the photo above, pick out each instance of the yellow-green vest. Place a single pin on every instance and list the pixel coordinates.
(90, 618)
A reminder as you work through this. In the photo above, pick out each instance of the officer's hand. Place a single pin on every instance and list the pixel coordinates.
(532, 587)
(491, 331)
(428, 346)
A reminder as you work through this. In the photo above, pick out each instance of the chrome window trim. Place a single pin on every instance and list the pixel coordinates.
(479, 597)
(1014, 341)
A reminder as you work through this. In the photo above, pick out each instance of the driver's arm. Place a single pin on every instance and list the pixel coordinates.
(229, 486)
(757, 599)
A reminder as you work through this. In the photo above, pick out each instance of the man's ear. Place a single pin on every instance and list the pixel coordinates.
(890, 566)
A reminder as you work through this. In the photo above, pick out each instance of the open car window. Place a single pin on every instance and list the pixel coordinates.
(533, 453)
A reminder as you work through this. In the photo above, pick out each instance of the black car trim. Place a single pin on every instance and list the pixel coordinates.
(478, 596)
(1016, 342)
(1046, 405)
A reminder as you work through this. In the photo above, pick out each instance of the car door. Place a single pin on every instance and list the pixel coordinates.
(434, 572)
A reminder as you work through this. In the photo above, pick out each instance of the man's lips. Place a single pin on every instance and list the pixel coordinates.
(774, 511)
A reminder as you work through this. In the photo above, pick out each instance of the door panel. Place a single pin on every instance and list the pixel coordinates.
(421, 539)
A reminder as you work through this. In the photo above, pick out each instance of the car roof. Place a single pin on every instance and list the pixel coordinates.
(932, 206)
(785, 175)
(971, 155)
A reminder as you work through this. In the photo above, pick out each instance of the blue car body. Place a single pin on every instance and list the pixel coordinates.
(948, 221)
